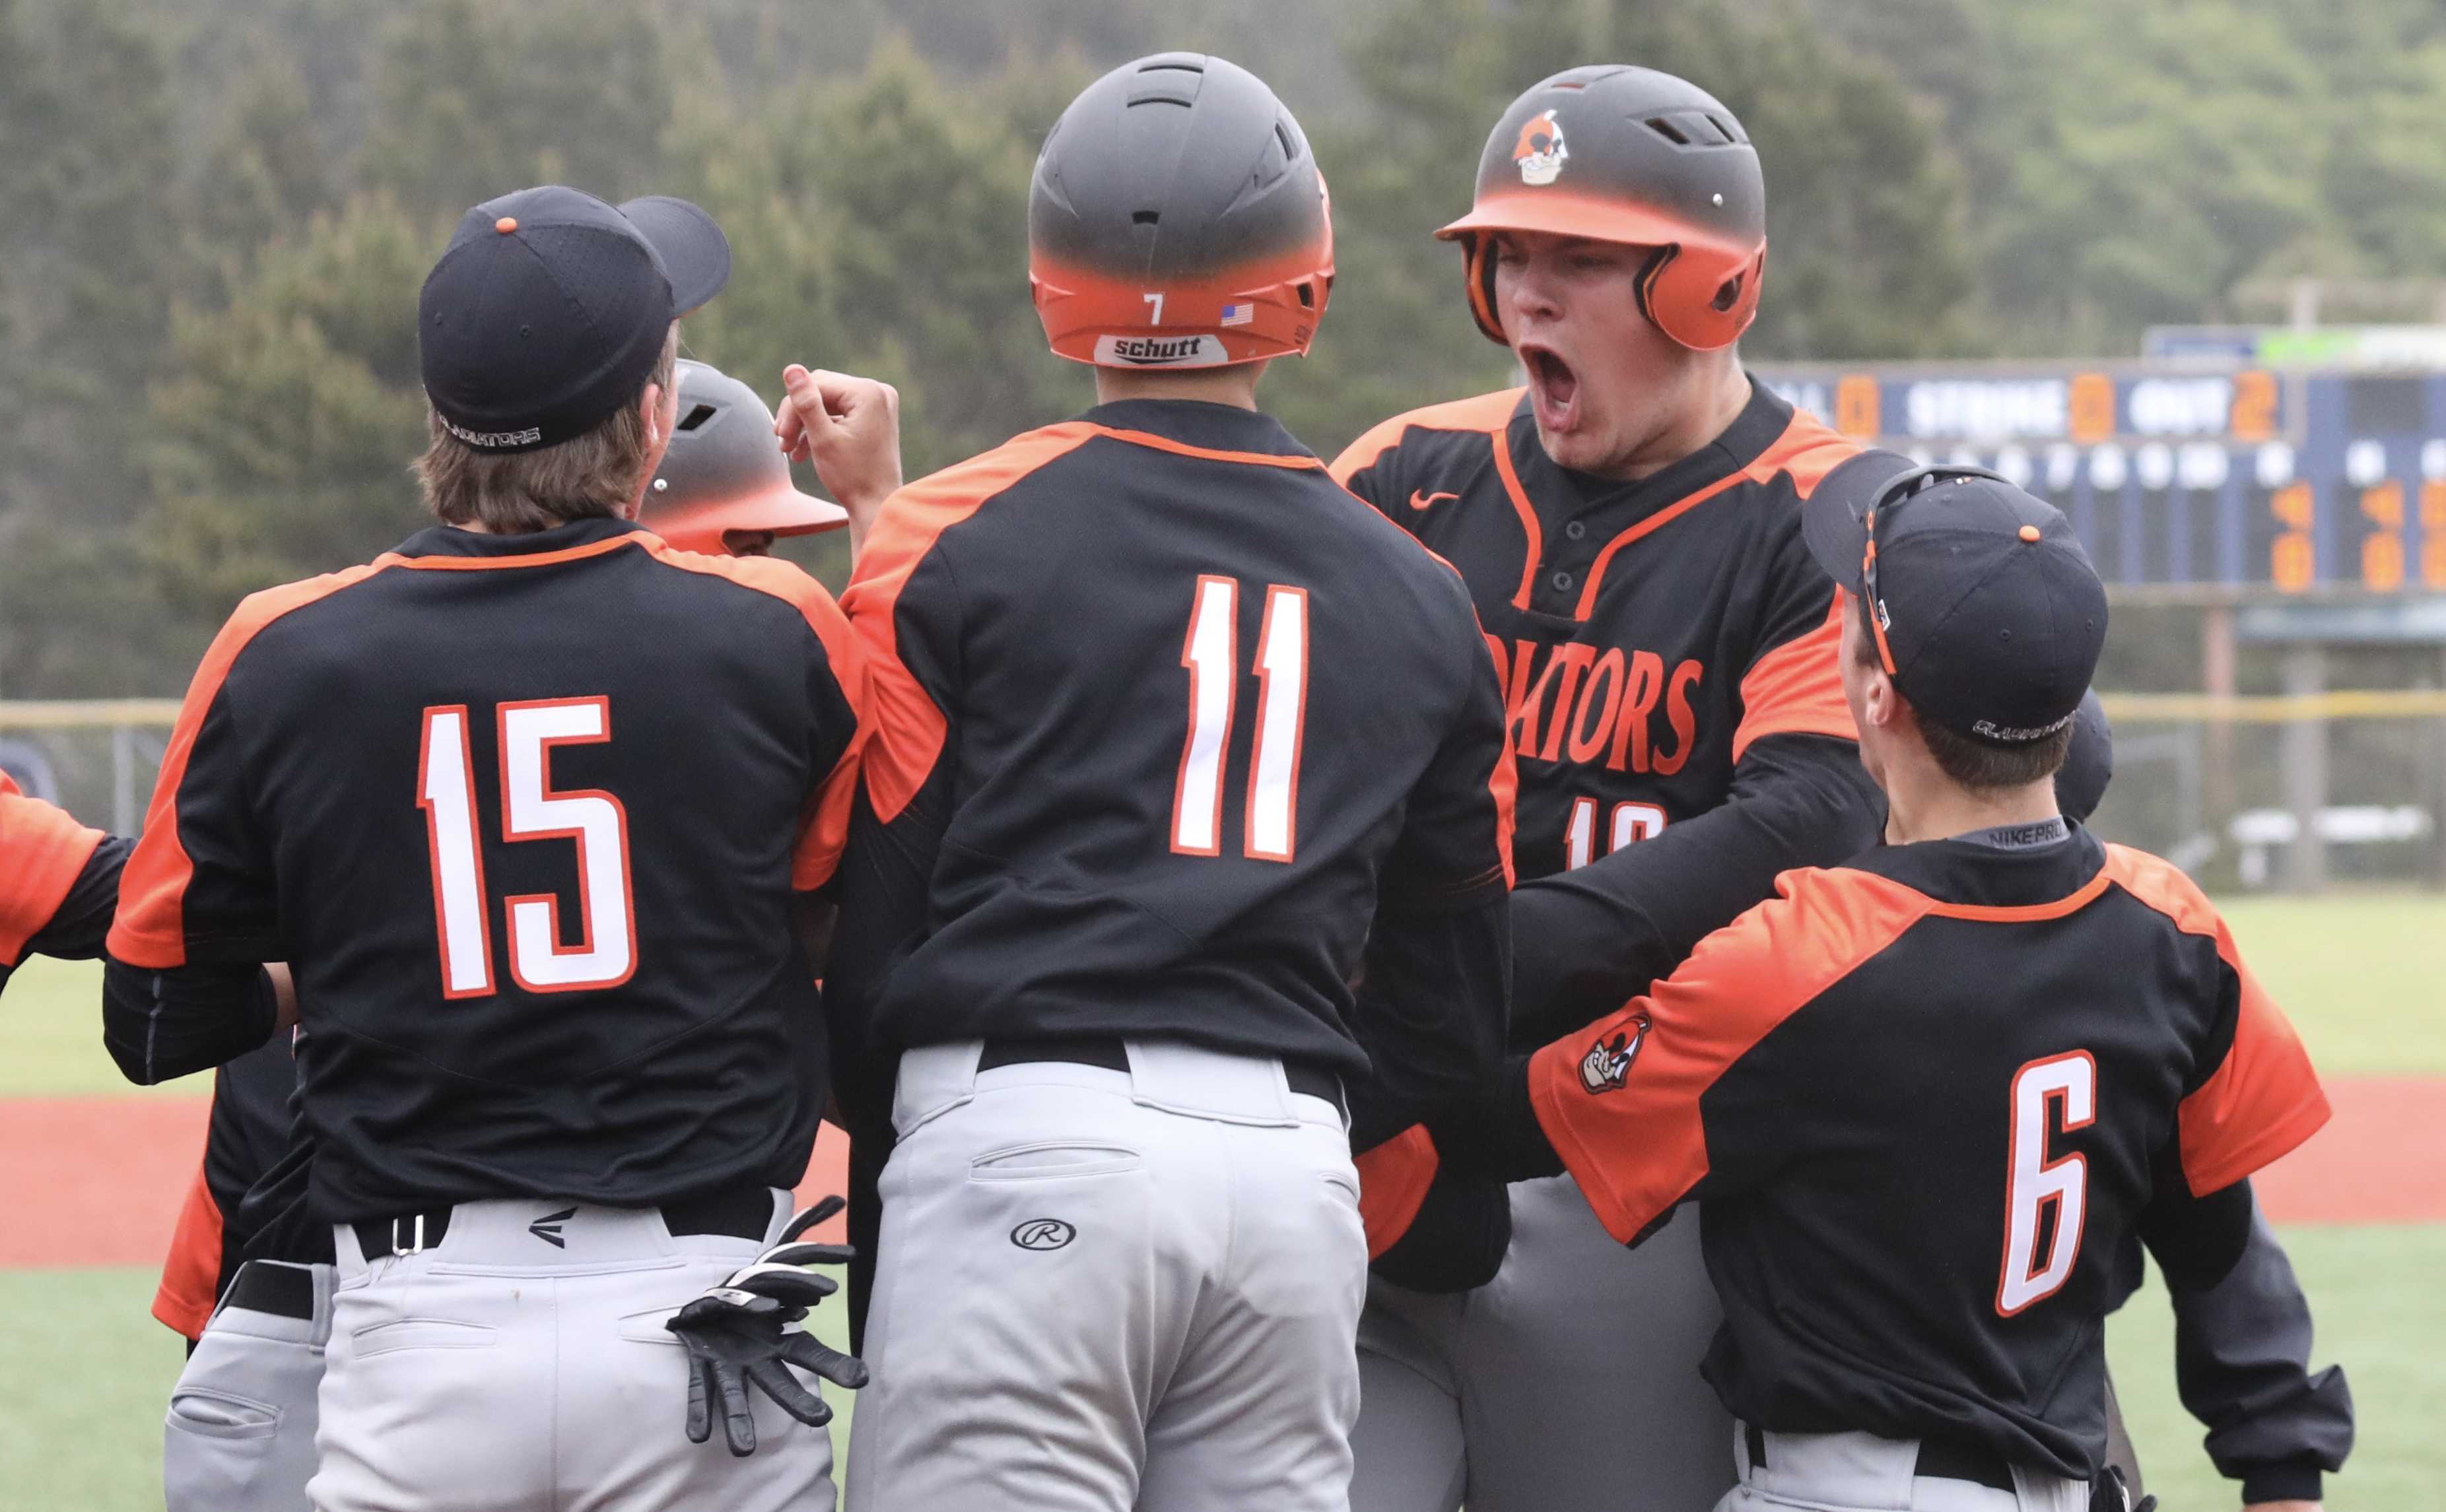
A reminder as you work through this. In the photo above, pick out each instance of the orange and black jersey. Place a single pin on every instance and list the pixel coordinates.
(59, 882)
(526, 814)
(1165, 722)
(1926, 1101)
(1667, 649)
(231, 1208)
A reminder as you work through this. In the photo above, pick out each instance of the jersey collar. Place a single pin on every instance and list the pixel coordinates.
(1561, 493)
(1196, 423)
(1965, 873)
(447, 540)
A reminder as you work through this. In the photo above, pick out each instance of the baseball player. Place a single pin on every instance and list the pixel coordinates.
(720, 489)
(1174, 743)
(59, 881)
(1958, 1075)
(1630, 525)
(533, 801)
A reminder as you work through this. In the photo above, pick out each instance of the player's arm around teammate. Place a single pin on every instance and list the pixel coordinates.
(528, 801)
(59, 881)
(1845, 1071)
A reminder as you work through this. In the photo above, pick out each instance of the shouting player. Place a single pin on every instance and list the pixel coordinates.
(533, 802)
(1958, 1075)
(720, 489)
(1630, 525)
(1174, 743)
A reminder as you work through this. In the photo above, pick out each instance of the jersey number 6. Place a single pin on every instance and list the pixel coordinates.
(606, 954)
(1212, 655)
(2058, 1087)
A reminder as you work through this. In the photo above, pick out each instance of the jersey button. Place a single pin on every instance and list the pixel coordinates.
(1562, 582)
(1575, 530)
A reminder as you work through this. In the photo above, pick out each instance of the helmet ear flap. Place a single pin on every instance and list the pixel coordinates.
(1479, 271)
(1701, 297)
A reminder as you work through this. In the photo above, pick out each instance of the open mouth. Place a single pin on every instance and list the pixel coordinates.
(1554, 387)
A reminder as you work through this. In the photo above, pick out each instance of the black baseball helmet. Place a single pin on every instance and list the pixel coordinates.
(2089, 762)
(1632, 156)
(1177, 220)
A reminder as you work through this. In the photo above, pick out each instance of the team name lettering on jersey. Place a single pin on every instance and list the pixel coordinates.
(1615, 707)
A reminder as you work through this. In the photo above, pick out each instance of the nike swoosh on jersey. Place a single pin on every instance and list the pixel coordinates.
(1420, 500)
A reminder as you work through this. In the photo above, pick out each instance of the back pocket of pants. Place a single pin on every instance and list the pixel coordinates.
(1048, 1160)
(420, 1334)
(223, 1414)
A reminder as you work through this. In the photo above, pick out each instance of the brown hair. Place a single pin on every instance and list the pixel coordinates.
(1973, 762)
(586, 477)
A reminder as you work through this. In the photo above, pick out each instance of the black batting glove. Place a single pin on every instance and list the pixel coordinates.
(738, 1333)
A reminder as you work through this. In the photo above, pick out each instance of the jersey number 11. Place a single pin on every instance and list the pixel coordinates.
(1212, 655)
(606, 954)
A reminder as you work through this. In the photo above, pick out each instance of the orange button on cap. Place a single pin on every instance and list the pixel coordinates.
(506, 224)
(2029, 532)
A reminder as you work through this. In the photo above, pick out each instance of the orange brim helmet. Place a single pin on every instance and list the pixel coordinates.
(725, 472)
(1177, 220)
(1632, 156)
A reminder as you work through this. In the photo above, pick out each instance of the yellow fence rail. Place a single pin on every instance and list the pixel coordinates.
(87, 714)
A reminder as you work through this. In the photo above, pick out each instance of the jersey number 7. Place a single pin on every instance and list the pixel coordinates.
(1212, 655)
(606, 954)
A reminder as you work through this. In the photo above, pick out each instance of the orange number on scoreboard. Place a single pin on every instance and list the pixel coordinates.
(2092, 404)
(2254, 416)
(2292, 561)
(1857, 405)
(2382, 548)
(2433, 534)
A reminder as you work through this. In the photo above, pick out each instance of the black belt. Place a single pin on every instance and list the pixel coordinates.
(1111, 1055)
(737, 1212)
(276, 1287)
(1938, 1460)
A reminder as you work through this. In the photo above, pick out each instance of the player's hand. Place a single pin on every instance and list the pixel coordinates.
(850, 429)
(739, 1333)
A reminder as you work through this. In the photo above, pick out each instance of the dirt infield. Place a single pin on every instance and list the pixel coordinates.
(98, 1180)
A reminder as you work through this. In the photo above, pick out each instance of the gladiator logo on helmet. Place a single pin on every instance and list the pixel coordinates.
(1607, 1065)
(1540, 152)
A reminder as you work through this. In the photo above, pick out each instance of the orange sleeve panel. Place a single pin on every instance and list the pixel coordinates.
(2263, 1099)
(42, 851)
(1481, 412)
(1620, 1100)
(825, 829)
(908, 729)
(1797, 688)
(150, 929)
(184, 1299)
(1393, 1181)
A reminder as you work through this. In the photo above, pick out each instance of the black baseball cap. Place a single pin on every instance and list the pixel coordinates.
(1986, 609)
(548, 311)
(2089, 763)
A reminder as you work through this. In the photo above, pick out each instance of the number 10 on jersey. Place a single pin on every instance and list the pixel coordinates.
(606, 954)
(1212, 655)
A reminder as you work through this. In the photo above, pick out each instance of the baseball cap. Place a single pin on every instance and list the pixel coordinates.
(548, 311)
(1986, 609)
(2089, 763)
(723, 473)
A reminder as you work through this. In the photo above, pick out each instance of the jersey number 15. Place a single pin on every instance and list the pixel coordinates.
(606, 954)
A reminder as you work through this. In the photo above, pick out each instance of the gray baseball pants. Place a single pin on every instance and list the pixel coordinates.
(1570, 1383)
(240, 1431)
(1099, 1291)
(523, 1363)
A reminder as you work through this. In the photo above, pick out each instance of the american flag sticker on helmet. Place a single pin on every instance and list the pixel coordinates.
(1239, 315)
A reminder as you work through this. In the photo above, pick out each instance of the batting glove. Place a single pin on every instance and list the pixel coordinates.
(738, 1332)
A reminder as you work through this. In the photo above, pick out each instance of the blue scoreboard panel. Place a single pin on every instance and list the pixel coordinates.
(2194, 483)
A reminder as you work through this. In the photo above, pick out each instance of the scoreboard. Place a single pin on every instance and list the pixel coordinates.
(2194, 483)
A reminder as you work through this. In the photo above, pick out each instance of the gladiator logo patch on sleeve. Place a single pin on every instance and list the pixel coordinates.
(1608, 1063)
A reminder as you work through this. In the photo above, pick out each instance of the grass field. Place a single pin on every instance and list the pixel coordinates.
(2364, 976)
